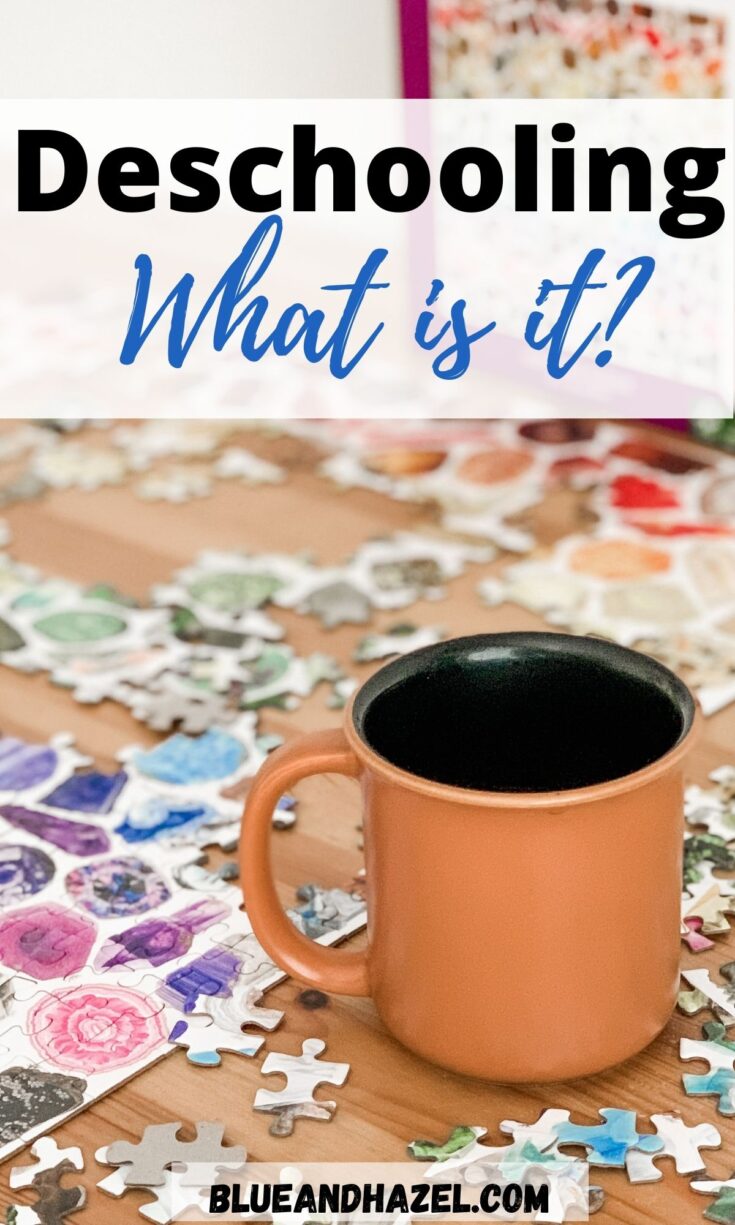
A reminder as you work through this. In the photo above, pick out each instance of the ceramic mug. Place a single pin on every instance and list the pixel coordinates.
(523, 799)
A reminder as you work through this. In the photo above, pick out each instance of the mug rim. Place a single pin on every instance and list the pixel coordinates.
(401, 667)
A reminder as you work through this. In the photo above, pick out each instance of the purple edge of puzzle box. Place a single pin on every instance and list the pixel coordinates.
(414, 21)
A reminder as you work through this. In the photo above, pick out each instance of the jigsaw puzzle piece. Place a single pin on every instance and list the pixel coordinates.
(723, 1209)
(194, 874)
(90, 1029)
(48, 1156)
(204, 1039)
(24, 872)
(30, 769)
(719, 1053)
(89, 791)
(303, 1074)
(158, 940)
(216, 756)
(76, 837)
(461, 1141)
(31, 1096)
(693, 1002)
(713, 807)
(241, 1008)
(117, 887)
(544, 1133)
(680, 1142)
(609, 1142)
(169, 1201)
(145, 1162)
(54, 1202)
(718, 997)
(213, 973)
(691, 934)
(286, 1116)
(46, 940)
(710, 899)
(324, 910)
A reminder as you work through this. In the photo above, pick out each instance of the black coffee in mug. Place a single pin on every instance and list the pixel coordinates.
(523, 712)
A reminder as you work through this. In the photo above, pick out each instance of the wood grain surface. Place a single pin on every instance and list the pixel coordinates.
(391, 1096)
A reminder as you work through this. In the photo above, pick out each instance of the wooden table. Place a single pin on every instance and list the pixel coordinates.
(391, 1096)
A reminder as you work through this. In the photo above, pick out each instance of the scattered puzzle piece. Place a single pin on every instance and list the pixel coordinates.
(458, 1140)
(54, 1202)
(607, 1143)
(303, 1073)
(679, 1141)
(286, 1116)
(710, 901)
(237, 463)
(76, 465)
(324, 910)
(145, 1162)
(398, 640)
(175, 484)
(694, 1002)
(170, 1197)
(720, 997)
(713, 807)
(691, 934)
(723, 1209)
(705, 849)
(49, 1156)
(719, 1053)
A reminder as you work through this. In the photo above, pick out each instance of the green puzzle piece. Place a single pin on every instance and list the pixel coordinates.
(427, 1150)
(723, 1209)
(705, 848)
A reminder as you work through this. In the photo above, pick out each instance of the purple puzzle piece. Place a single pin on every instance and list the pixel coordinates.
(116, 887)
(158, 940)
(93, 791)
(211, 974)
(24, 870)
(70, 836)
(24, 765)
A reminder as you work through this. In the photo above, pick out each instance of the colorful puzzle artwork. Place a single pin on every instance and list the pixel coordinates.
(673, 598)
(483, 475)
(579, 48)
(209, 647)
(112, 954)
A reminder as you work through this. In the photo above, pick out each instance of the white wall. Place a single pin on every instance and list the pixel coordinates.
(199, 48)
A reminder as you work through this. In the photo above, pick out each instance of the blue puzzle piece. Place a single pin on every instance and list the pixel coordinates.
(721, 1082)
(160, 816)
(192, 759)
(92, 791)
(609, 1142)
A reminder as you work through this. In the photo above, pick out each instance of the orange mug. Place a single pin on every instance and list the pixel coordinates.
(523, 798)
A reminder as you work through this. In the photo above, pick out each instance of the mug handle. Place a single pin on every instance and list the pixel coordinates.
(340, 971)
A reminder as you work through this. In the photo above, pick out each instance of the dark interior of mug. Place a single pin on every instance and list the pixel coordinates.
(523, 712)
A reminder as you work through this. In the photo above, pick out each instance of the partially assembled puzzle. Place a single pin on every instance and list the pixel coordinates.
(672, 597)
(208, 645)
(118, 944)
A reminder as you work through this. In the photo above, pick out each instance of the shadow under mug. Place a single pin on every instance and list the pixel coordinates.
(523, 800)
